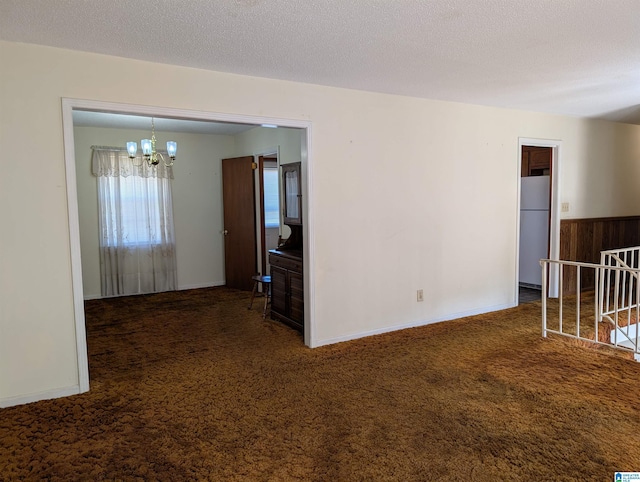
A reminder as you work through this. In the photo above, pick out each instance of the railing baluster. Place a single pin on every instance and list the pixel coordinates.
(623, 288)
(637, 314)
(597, 299)
(578, 295)
(544, 265)
(616, 299)
(608, 305)
(629, 302)
(560, 298)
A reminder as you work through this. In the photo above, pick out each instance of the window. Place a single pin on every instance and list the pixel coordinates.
(271, 198)
(137, 242)
(136, 206)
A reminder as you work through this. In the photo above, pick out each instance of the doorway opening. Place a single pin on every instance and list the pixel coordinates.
(535, 204)
(538, 235)
(269, 207)
(68, 108)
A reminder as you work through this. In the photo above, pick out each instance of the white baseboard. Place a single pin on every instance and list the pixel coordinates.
(209, 284)
(35, 397)
(414, 324)
(201, 285)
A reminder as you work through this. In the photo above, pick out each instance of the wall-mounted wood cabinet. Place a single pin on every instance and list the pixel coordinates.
(536, 161)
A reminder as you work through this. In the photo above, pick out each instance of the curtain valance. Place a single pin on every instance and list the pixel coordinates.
(114, 161)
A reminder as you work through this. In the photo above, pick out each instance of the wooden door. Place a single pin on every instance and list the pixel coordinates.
(238, 194)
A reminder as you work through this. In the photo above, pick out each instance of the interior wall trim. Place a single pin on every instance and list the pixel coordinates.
(35, 397)
(603, 219)
(554, 210)
(416, 324)
(69, 104)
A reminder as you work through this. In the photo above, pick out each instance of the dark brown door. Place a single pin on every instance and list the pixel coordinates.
(239, 222)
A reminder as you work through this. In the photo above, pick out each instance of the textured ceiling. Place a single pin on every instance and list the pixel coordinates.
(572, 57)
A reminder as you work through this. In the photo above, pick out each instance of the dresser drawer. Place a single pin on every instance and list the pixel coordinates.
(284, 262)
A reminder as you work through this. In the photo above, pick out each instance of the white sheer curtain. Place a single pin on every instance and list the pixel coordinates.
(137, 240)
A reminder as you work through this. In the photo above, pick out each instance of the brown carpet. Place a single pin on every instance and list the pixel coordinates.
(192, 386)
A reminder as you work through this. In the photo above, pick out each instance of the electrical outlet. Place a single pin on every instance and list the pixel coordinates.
(565, 207)
(420, 295)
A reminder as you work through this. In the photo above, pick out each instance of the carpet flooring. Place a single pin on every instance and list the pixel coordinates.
(193, 386)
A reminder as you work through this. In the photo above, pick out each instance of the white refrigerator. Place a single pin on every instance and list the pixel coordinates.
(534, 228)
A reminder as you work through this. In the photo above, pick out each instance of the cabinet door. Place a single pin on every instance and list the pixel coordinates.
(536, 161)
(278, 290)
(292, 193)
(540, 159)
(296, 297)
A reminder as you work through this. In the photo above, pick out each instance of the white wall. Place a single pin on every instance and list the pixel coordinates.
(406, 193)
(197, 203)
(264, 140)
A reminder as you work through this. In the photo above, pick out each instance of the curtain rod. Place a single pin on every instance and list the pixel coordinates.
(119, 149)
(107, 148)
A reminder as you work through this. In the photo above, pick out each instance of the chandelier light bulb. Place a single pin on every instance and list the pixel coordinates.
(172, 147)
(145, 144)
(132, 149)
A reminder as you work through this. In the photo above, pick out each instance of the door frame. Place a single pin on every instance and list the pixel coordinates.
(71, 104)
(261, 251)
(554, 211)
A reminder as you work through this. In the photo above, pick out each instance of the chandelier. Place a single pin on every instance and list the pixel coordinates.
(149, 149)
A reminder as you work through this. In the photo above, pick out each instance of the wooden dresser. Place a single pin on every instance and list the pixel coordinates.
(287, 288)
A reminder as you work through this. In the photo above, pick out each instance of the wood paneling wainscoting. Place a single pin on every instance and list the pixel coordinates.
(583, 239)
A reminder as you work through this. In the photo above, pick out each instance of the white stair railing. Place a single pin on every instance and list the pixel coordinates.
(613, 301)
(620, 294)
